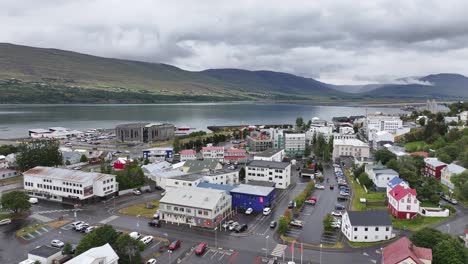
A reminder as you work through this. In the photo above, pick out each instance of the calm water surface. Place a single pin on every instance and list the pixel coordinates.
(15, 120)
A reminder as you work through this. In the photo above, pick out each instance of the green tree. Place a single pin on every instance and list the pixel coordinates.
(146, 162)
(307, 151)
(365, 180)
(67, 162)
(8, 149)
(393, 164)
(176, 145)
(37, 262)
(358, 170)
(67, 249)
(100, 236)
(128, 249)
(384, 156)
(299, 123)
(461, 183)
(428, 237)
(327, 223)
(428, 190)
(16, 201)
(410, 176)
(242, 174)
(444, 157)
(131, 176)
(449, 251)
(422, 121)
(83, 158)
(39, 152)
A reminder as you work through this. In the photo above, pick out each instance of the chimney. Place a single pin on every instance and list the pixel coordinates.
(411, 246)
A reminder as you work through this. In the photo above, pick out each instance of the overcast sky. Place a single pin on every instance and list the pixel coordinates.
(341, 42)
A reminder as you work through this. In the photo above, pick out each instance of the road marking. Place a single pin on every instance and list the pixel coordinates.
(67, 227)
(377, 251)
(222, 256)
(278, 250)
(156, 244)
(365, 254)
(109, 219)
(206, 253)
(373, 261)
(214, 254)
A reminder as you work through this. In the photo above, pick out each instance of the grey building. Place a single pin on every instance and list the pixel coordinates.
(144, 132)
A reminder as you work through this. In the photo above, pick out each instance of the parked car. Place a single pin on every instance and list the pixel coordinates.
(273, 224)
(290, 204)
(233, 226)
(136, 192)
(339, 207)
(80, 226)
(227, 224)
(84, 227)
(453, 201)
(147, 239)
(135, 235)
(335, 225)
(332, 187)
(241, 228)
(319, 187)
(155, 223)
(266, 211)
(33, 200)
(163, 193)
(5, 221)
(151, 261)
(297, 223)
(248, 211)
(57, 243)
(311, 200)
(342, 198)
(344, 193)
(89, 229)
(174, 245)
(337, 213)
(200, 249)
(75, 224)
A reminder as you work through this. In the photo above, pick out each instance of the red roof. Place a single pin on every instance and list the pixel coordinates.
(400, 192)
(188, 152)
(420, 153)
(466, 231)
(234, 157)
(402, 249)
(213, 148)
(234, 150)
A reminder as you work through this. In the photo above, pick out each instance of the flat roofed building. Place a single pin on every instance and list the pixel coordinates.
(269, 171)
(294, 143)
(195, 206)
(350, 147)
(69, 186)
(45, 254)
(189, 180)
(144, 132)
(270, 155)
(213, 153)
(259, 142)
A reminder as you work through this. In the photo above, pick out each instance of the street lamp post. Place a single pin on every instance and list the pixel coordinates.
(170, 256)
(266, 249)
(216, 237)
(320, 253)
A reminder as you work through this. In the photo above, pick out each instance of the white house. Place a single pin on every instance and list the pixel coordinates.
(276, 155)
(316, 129)
(188, 154)
(225, 177)
(448, 171)
(213, 153)
(380, 138)
(45, 254)
(269, 171)
(350, 147)
(294, 143)
(346, 130)
(367, 226)
(463, 116)
(158, 154)
(449, 119)
(195, 206)
(402, 202)
(68, 186)
(104, 254)
(7, 173)
(189, 180)
(380, 175)
(161, 171)
(375, 123)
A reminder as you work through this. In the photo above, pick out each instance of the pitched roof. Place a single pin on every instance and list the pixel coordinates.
(394, 182)
(400, 192)
(44, 251)
(434, 162)
(104, 252)
(200, 165)
(212, 148)
(402, 249)
(455, 169)
(234, 150)
(369, 218)
(268, 164)
(66, 174)
(193, 197)
(188, 152)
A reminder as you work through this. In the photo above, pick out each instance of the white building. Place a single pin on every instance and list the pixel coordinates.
(188, 154)
(99, 255)
(380, 175)
(463, 116)
(315, 130)
(68, 186)
(448, 171)
(195, 206)
(276, 136)
(346, 130)
(380, 138)
(225, 177)
(344, 136)
(402, 202)
(367, 226)
(350, 147)
(161, 171)
(6, 173)
(449, 119)
(190, 180)
(213, 153)
(294, 143)
(45, 255)
(375, 123)
(3, 162)
(269, 171)
(276, 155)
(158, 154)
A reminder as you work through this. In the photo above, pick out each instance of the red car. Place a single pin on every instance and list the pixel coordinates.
(200, 249)
(174, 245)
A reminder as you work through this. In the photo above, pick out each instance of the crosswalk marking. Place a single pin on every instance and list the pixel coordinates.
(109, 219)
(58, 211)
(373, 261)
(278, 250)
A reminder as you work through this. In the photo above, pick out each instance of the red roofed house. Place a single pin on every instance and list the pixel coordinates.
(402, 202)
(235, 155)
(433, 168)
(420, 153)
(213, 152)
(403, 251)
(188, 154)
(120, 163)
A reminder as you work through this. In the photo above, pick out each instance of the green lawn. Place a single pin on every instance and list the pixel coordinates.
(140, 209)
(5, 216)
(417, 223)
(360, 192)
(29, 229)
(415, 146)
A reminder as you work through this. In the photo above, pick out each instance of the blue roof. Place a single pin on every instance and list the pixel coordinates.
(394, 182)
(215, 186)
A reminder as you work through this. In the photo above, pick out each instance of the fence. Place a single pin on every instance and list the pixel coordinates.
(143, 188)
(433, 212)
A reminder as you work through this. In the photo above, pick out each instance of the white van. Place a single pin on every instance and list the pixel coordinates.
(33, 200)
(5, 221)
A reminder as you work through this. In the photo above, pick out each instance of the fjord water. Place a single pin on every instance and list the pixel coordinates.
(15, 120)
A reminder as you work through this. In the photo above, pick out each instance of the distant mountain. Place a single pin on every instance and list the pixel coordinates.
(356, 88)
(52, 75)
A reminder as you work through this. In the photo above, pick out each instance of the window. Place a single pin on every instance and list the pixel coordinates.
(376, 229)
(355, 237)
(365, 229)
(355, 229)
(408, 207)
(387, 228)
(365, 237)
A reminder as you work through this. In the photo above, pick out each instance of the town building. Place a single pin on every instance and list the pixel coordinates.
(403, 251)
(318, 129)
(450, 119)
(144, 132)
(381, 138)
(234, 155)
(397, 150)
(258, 142)
(54, 132)
(402, 202)
(158, 154)
(351, 148)
(206, 165)
(346, 130)
(213, 153)
(294, 143)
(223, 176)
(433, 168)
(395, 182)
(367, 226)
(463, 116)
(447, 172)
(121, 162)
(189, 180)
(379, 122)
(3, 162)
(45, 255)
(71, 157)
(277, 137)
(160, 172)
(69, 186)
(188, 154)
(7, 173)
(344, 136)
(269, 171)
(380, 175)
(104, 254)
(276, 155)
(195, 206)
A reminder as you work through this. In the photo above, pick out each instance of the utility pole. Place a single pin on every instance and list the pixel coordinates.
(266, 249)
